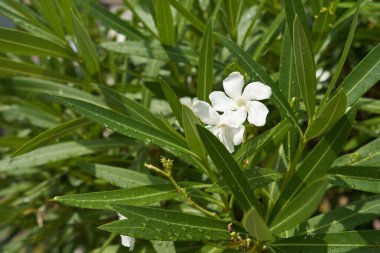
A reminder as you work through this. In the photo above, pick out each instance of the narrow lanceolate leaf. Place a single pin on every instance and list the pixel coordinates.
(29, 26)
(256, 72)
(256, 226)
(353, 241)
(136, 110)
(164, 225)
(18, 42)
(305, 68)
(125, 125)
(85, 45)
(197, 23)
(256, 178)
(36, 88)
(164, 22)
(301, 207)
(316, 163)
(363, 178)
(121, 177)
(50, 135)
(296, 8)
(189, 121)
(367, 155)
(57, 152)
(173, 100)
(49, 10)
(363, 76)
(229, 170)
(113, 21)
(328, 115)
(154, 50)
(9, 67)
(289, 87)
(340, 219)
(206, 59)
(142, 195)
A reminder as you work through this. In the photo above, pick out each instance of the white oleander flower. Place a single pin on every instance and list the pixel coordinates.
(227, 127)
(126, 241)
(247, 101)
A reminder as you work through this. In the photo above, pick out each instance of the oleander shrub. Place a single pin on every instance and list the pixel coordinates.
(190, 126)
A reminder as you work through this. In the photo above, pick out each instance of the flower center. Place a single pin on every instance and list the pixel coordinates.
(241, 102)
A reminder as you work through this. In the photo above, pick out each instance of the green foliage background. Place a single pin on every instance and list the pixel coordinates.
(81, 113)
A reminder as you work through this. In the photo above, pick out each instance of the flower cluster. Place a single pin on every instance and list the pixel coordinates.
(236, 105)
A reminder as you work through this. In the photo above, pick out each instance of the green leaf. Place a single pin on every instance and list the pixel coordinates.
(289, 87)
(256, 72)
(49, 10)
(85, 45)
(125, 105)
(8, 67)
(57, 152)
(165, 23)
(173, 100)
(153, 50)
(197, 23)
(316, 163)
(164, 225)
(256, 178)
(367, 155)
(189, 121)
(296, 8)
(256, 226)
(258, 147)
(126, 125)
(345, 51)
(328, 115)
(50, 135)
(353, 241)
(206, 59)
(324, 18)
(121, 177)
(18, 42)
(369, 105)
(142, 195)
(363, 76)
(300, 207)
(29, 114)
(35, 88)
(229, 170)
(363, 178)
(305, 69)
(113, 21)
(340, 219)
(270, 35)
(30, 27)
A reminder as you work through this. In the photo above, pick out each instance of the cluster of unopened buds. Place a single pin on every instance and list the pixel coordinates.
(236, 105)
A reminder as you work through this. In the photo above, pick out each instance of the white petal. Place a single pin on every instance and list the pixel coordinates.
(257, 113)
(221, 102)
(233, 85)
(238, 134)
(222, 133)
(186, 101)
(227, 139)
(233, 118)
(128, 241)
(206, 113)
(257, 91)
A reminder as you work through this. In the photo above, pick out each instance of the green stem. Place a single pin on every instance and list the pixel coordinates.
(293, 164)
(180, 190)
